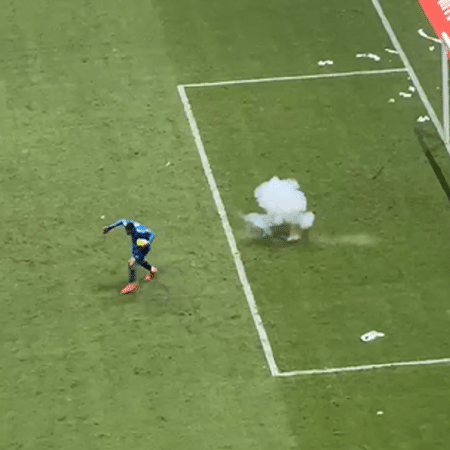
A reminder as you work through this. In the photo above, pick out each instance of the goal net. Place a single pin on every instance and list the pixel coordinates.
(438, 14)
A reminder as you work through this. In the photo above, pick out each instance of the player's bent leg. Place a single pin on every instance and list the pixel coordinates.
(132, 286)
(152, 270)
(152, 274)
(131, 270)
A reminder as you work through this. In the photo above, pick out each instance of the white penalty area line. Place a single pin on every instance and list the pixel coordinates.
(414, 79)
(229, 234)
(295, 78)
(427, 362)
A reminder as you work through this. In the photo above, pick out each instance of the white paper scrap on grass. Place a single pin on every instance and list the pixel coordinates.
(405, 94)
(389, 50)
(423, 119)
(391, 100)
(327, 62)
(368, 55)
(371, 336)
(425, 35)
(412, 89)
(431, 48)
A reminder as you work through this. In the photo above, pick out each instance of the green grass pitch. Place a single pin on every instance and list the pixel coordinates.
(90, 118)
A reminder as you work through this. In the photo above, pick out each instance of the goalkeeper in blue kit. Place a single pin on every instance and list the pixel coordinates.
(141, 239)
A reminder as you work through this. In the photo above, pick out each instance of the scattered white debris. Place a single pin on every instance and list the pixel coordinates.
(431, 48)
(368, 55)
(425, 35)
(168, 164)
(423, 119)
(412, 89)
(327, 62)
(102, 217)
(380, 413)
(389, 50)
(405, 94)
(371, 336)
(391, 100)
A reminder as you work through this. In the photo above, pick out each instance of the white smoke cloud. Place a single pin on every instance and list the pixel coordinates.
(284, 204)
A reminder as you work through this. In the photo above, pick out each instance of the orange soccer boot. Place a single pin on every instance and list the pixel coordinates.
(130, 289)
(152, 274)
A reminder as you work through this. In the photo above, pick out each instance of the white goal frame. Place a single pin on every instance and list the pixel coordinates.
(445, 50)
(438, 14)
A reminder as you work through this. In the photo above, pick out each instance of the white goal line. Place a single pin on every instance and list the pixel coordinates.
(295, 78)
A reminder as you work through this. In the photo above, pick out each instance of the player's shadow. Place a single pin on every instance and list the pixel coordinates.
(431, 143)
(153, 290)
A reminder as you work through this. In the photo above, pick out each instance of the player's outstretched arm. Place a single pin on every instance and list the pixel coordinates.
(119, 223)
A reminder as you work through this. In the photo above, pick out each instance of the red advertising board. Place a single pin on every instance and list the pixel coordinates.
(438, 14)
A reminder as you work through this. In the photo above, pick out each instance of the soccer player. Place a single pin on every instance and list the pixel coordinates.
(141, 239)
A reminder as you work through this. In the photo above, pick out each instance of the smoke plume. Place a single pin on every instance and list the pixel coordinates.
(284, 205)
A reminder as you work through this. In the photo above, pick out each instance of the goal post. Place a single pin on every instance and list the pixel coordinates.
(438, 14)
(445, 44)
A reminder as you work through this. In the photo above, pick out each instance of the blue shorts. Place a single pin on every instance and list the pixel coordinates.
(139, 255)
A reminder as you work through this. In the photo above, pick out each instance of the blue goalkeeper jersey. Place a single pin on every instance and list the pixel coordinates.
(140, 232)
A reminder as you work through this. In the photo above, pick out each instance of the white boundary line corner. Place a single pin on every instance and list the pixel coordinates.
(229, 234)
